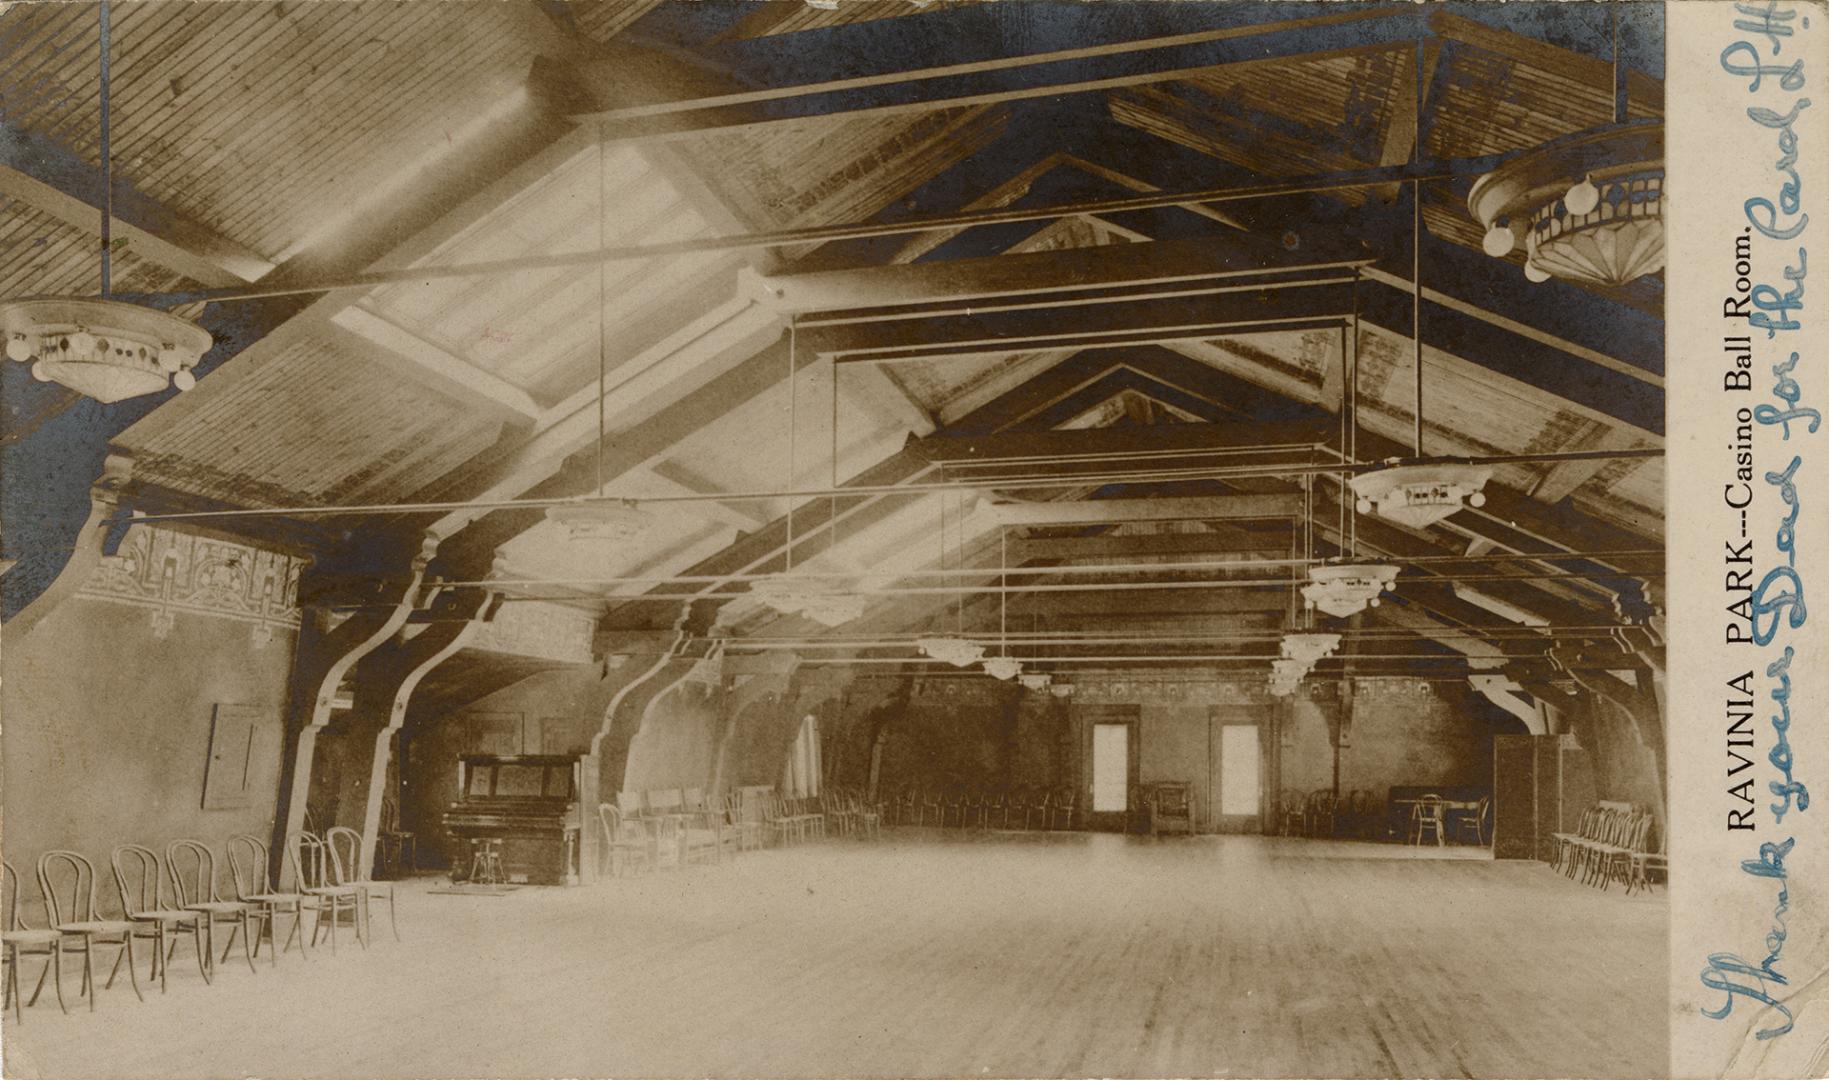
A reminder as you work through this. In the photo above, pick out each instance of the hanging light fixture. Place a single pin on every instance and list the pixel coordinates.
(1343, 589)
(1286, 675)
(104, 348)
(1588, 208)
(614, 521)
(1002, 667)
(1037, 681)
(955, 651)
(828, 605)
(1420, 495)
(1308, 648)
(109, 350)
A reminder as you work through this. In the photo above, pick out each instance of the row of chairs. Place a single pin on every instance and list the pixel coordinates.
(675, 827)
(1611, 843)
(1355, 815)
(1022, 808)
(161, 900)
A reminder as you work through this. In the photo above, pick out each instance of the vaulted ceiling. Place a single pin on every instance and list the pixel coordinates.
(1054, 308)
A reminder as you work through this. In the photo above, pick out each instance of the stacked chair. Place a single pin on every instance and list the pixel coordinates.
(673, 827)
(1612, 843)
(959, 807)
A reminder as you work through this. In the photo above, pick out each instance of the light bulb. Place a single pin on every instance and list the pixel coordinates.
(20, 348)
(1364, 505)
(1582, 198)
(1374, 601)
(184, 380)
(1499, 241)
(1477, 499)
(41, 372)
(1532, 272)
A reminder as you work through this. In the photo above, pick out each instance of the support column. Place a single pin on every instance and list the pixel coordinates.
(321, 665)
(457, 614)
(1639, 702)
(686, 648)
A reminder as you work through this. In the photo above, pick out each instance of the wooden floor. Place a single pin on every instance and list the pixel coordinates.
(925, 955)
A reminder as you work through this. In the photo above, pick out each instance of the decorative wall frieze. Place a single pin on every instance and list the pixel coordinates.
(166, 572)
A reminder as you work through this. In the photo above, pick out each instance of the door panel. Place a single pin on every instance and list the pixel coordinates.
(1241, 778)
(1114, 775)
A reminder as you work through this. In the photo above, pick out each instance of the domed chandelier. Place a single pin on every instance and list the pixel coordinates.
(105, 348)
(1588, 208)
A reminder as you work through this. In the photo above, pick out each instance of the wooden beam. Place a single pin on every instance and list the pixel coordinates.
(1227, 540)
(1133, 604)
(1102, 321)
(632, 106)
(1133, 266)
(1204, 508)
(1589, 71)
(685, 361)
(449, 372)
(49, 178)
(674, 477)
(1165, 438)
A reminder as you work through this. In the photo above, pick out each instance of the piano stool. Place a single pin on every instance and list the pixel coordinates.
(485, 861)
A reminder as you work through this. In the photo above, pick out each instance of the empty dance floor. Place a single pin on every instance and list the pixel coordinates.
(924, 955)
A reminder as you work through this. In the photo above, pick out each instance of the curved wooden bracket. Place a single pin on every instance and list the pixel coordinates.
(86, 555)
(320, 669)
(464, 610)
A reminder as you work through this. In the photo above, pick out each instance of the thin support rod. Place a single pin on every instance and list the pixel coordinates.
(603, 210)
(793, 401)
(107, 160)
(1372, 177)
(1619, 70)
(1416, 251)
(1062, 571)
(1291, 470)
(1003, 592)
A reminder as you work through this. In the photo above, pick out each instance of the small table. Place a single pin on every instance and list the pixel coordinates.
(1464, 805)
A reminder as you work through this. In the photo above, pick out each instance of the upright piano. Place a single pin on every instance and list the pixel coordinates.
(528, 802)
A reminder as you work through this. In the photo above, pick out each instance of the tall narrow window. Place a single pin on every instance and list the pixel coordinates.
(1238, 770)
(1110, 768)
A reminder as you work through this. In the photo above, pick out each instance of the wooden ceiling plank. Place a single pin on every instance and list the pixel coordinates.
(173, 240)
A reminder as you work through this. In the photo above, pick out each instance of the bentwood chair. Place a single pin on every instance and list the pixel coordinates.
(346, 860)
(1426, 817)
(67, 880)
(22, 940)
(1475, 827)
(869, 817)
(399, 848)
(746, 816)
(1060, 810)
(249, 865)
(193, 877)
(310, 857)
(625, 845)
(140, 881)
(931, 803)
